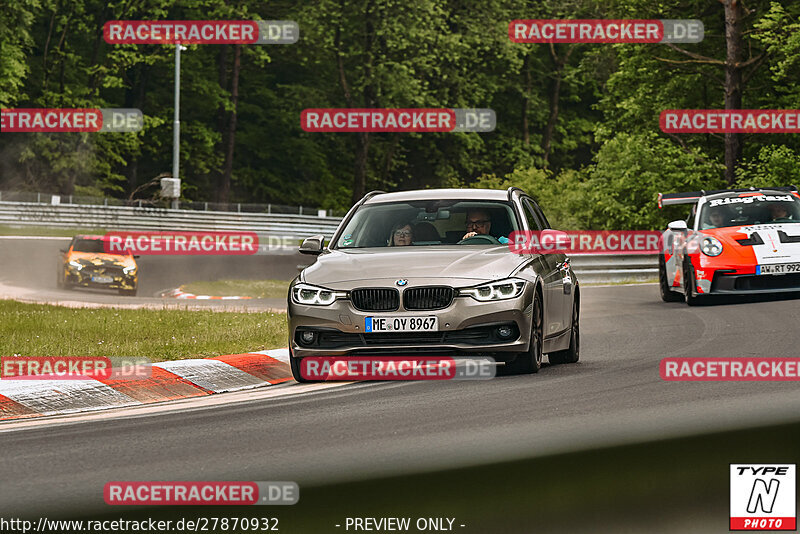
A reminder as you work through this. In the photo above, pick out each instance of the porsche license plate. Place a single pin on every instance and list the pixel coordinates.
(401, 324)
(102, 279)
(778, 268)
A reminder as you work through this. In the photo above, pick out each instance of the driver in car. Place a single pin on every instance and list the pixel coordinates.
(480, 223)
(778, 212)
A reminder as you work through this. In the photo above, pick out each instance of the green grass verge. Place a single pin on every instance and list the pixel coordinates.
(260, 289)
(165, 334)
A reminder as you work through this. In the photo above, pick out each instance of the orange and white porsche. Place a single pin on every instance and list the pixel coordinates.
(737, 241)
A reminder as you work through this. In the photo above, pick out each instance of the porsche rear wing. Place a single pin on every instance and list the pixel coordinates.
(691, 197)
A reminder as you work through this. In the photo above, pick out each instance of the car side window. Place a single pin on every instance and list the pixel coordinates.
(540, 214)
(534, 221)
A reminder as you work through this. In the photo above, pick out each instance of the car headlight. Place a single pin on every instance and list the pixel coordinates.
(711, 246)
(75, 264)
(500, 290)
(129, 269)
(315, 296)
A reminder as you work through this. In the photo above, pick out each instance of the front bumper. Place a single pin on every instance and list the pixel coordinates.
(750, 284)
(466, 327)
(741, 280)
(83, 278)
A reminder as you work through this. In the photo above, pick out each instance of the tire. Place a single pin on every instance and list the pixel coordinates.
(689, 285)
(667, 295)
(573, 353)
(530, 361)
(294, 363)
(128, 292)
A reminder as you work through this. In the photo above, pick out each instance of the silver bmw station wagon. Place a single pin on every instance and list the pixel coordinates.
(430, 272)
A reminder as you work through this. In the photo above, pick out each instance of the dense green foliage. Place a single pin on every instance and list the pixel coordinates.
(577, 124)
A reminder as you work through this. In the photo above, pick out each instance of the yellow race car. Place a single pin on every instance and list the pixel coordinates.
(85, 263)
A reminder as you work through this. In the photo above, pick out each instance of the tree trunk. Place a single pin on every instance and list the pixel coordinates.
(222, 121)
(552, 119)
(360, 174)
(135, 99)
(225, 186)
(733, 82)
(555, 97)
(526, 100)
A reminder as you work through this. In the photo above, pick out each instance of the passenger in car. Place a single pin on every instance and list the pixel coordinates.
(401, 235)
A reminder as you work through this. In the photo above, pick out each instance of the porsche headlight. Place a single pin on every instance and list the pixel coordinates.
(315, 296)
(129, 269)
(500, 290)
(75, 264)
(711, 246)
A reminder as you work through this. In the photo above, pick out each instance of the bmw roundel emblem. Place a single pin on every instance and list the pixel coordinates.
(401, 283)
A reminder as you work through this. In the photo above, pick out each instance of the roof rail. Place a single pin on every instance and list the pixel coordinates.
(373, 193)
(691, 197)
(511, 191)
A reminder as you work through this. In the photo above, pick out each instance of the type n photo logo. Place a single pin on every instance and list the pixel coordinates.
(763, 497)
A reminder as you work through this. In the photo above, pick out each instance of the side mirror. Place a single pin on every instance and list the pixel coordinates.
(559, 239)
(63, 250)
(678, 226)
(136, 256)
(312, 245)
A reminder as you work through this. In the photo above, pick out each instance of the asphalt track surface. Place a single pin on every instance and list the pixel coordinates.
(614, 396)
(30, 264)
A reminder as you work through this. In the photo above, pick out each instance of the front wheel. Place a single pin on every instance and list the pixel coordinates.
(573, 353)
(689, 286)
(667, 295)
(530, 361)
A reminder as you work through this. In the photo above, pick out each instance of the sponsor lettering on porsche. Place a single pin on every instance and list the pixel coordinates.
(751, 199)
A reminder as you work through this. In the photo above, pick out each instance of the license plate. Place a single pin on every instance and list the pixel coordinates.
(401, 324)
(102, 279)
(778, 268)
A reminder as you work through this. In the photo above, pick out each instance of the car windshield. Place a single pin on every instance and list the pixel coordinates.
(428, 222)
(88, 245)
(749, 210)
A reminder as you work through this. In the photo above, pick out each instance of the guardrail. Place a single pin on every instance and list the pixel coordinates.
(612, 268)
(134, 218)
(590, 268)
